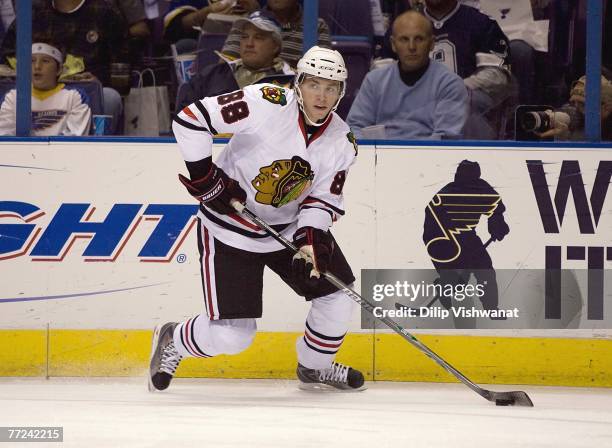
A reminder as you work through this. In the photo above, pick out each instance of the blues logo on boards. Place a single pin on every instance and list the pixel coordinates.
(449, 231)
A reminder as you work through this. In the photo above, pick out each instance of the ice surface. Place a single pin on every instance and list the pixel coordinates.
(120, 412)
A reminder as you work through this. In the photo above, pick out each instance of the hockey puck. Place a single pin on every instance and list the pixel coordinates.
(502, 402)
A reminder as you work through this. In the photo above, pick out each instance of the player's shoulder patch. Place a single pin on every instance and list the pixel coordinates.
(351, 138)
(275, 95)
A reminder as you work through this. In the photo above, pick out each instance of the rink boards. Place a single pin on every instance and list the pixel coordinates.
(98, 246)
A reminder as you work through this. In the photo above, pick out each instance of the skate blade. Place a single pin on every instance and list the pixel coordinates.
(150, 385)
(320, 387)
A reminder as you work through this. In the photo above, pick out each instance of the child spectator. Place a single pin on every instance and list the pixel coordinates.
(56, 110)
(94, 35)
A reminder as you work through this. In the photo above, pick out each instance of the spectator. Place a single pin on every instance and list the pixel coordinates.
(56, 110)
(94, 34)
(472, 45)
(260, 45)
(289, 14)
(416, 98)
(526, 26)
(570, 125)
(133, 13)
(185, 16)
(7, 15)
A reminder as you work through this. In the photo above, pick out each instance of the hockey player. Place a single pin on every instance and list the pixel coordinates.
(287, 161)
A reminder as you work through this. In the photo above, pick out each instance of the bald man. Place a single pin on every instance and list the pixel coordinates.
(412, 99)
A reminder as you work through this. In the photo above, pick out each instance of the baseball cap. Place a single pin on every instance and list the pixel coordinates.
(264, 21)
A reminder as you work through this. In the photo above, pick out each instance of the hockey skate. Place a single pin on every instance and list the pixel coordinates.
(337, 377)
(164, 357)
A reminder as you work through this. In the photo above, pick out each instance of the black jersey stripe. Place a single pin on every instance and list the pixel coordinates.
(327, 204)
(303, 207)
(188, 125)
(228, 226)
(206, 116)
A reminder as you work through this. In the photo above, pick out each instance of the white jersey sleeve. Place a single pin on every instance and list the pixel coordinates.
(78, 120)
(7, 114)
(325, 202)
(238, 112)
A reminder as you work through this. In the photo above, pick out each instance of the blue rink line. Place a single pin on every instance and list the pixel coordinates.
(72, 296)
(451, 144)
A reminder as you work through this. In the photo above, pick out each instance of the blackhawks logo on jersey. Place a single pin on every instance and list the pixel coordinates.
(282, 181)
(276, 95)
(351, 138)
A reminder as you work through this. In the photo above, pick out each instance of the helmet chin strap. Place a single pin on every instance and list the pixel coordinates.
(309, 122)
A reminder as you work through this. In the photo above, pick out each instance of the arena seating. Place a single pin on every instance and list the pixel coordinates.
(357, 53)
(207, 44)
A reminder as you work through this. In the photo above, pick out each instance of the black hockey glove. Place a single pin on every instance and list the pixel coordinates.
(215, 190)
(316, 249)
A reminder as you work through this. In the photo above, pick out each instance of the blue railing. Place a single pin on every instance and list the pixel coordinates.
(592, 127)
(458, 145)
(311, 14)
(311, 8)
(24, 67)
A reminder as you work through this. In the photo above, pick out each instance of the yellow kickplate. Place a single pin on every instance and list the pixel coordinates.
(385, 357)
(23, 352)
(498, 360)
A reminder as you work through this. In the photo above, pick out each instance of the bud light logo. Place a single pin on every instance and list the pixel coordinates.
(21, 232)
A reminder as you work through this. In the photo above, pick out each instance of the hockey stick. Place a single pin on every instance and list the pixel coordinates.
(408, 309)
(518, 398)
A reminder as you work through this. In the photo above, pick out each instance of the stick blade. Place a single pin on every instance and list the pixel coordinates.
(514, 398)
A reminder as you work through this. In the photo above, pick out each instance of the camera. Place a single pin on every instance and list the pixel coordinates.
(535, 121)
(530, 121)
(541, 121)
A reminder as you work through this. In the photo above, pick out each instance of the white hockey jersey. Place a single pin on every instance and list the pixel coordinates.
(59, 111)
(291, 180)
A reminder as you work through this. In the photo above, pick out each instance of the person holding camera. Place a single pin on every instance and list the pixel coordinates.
(567, 122)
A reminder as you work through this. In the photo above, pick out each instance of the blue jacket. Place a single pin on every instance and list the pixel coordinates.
(435, 107)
